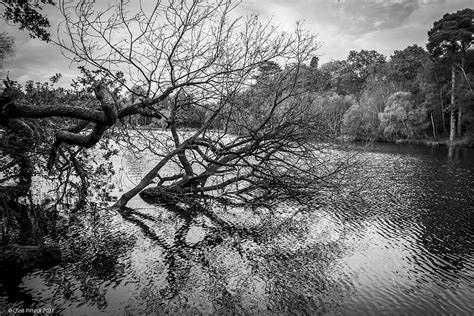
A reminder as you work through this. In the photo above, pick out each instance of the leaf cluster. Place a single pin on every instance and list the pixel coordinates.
(27, 15)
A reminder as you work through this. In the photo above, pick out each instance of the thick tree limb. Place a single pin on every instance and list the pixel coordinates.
(60, 110)
(72, 136)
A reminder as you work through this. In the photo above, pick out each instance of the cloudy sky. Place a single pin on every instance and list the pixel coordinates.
(341, 25)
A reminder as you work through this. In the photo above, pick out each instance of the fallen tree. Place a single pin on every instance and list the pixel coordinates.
(260, 142)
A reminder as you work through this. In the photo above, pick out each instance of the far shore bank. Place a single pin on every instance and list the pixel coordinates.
(461, 142)
(466, 141)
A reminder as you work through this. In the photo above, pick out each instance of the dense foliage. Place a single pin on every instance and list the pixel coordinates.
(406, 96)
(410, 95)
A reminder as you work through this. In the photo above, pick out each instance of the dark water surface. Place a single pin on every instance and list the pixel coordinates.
(413, 252)
(403, 245)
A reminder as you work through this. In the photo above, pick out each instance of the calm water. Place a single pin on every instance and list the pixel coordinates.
(403, 245)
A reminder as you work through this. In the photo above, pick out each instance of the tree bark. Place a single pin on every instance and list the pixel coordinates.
(433, 124)
(28, 111)
(72, 136)
(459, 128)
(452, 123)
(442, 111)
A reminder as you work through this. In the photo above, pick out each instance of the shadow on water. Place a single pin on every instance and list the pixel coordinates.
(92, 255)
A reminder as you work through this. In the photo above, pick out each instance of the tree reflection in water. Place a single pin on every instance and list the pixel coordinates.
(177, 260)
(274, 265)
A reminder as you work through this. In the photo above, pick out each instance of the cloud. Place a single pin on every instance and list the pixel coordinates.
(352, 16)
(342, 25)
(36, 60)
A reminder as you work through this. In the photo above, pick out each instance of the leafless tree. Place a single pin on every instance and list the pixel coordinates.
(259, 142)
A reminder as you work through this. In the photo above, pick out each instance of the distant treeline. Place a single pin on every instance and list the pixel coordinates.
(415, 93)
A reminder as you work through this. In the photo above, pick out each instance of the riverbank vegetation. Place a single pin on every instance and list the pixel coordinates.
(416, 95)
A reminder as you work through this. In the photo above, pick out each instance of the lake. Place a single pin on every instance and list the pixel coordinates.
(413, 250)
(402, 245)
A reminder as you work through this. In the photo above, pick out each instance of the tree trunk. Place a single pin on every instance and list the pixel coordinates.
(146, 180)
(433, 125)
(452, 123)
(443, 121)
(459, 122)
(459, 104)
